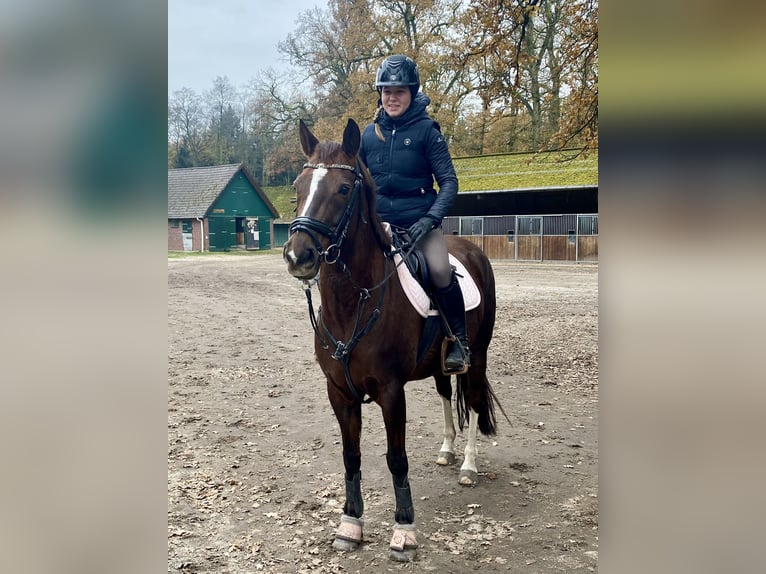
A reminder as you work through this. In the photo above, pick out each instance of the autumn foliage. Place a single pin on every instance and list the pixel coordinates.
(503, 76)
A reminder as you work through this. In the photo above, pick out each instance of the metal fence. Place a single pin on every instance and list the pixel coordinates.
(566, 237)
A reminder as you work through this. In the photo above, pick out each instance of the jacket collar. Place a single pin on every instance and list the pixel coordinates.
(416, 111)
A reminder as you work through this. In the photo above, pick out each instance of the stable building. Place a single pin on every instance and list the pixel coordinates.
(217, 208)
(529, 224)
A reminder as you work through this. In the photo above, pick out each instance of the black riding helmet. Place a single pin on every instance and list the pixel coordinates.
(398, 70)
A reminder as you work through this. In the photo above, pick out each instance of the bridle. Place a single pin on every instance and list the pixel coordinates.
(336, 235)
(313, 227)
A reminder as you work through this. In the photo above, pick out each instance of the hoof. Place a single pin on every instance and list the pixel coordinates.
(345, 545)
(468, 477)
(404, 543)
(403, 555)
(446, 458)
(348, 537)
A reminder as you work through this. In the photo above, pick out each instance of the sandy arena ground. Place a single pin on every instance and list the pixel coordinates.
(255, 474)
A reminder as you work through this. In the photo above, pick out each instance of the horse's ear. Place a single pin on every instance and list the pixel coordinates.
(308, 140)
(351, 138)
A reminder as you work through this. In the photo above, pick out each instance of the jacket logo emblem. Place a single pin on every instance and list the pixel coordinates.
(407, 141)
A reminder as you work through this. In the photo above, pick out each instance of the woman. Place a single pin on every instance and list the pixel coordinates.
(404, 151)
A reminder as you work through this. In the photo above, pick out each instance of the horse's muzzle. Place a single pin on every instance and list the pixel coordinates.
(301, 256)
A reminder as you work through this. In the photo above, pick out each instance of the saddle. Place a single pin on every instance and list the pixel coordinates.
(415, 262)
(415, 280)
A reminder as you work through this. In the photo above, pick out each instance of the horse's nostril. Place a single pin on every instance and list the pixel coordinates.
(309, 255)
(305, 256)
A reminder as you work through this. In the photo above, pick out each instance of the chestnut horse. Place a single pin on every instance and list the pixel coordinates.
(367, 333)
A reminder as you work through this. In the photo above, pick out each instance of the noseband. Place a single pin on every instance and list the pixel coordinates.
(336, 235)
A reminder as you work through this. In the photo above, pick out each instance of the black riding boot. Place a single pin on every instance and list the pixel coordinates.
(452, 306)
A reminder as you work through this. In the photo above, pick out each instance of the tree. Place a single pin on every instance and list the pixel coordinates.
(341, 48)
(508, 49)
(335, 47)
(219, 100)
(185, 127)
(225, 132)
(579, 127)
(502, 75)
(276, 106)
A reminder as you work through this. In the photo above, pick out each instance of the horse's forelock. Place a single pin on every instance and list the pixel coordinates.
(326, 152)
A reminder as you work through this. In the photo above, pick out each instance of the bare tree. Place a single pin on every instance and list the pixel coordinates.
(219, 100)
(186, 125)
(274, 112)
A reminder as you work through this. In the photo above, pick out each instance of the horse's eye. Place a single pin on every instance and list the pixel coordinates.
(344, 189)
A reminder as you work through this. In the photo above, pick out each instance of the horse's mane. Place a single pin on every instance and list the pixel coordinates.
(370, 192)
(326, 152)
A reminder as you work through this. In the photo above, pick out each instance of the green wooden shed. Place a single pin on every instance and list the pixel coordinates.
(217, 208)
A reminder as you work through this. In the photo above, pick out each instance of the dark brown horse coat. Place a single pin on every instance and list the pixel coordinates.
(367, 333)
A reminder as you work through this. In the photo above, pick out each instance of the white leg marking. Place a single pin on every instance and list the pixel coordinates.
(317, 176)
(469, 463)
(449, 427)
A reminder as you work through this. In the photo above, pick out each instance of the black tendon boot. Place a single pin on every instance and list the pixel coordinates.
(452, 306)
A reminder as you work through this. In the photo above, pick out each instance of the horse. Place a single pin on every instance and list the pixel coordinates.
(367, 333)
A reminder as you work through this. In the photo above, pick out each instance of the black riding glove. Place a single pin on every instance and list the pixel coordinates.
(420, 228)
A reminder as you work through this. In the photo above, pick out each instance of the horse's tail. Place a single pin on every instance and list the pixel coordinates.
(486, 405)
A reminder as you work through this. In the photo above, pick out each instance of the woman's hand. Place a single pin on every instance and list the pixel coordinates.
(420, 228)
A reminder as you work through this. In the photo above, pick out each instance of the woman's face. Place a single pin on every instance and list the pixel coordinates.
(396, 100)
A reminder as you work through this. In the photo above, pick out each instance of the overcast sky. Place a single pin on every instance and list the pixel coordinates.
(234, 38)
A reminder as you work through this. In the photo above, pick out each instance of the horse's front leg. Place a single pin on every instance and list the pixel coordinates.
(403, 547)
(348, 536)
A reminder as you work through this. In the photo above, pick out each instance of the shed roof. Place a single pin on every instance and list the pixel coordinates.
(527, 201)
(192, 190)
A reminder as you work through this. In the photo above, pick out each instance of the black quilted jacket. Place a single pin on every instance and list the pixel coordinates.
(405, 165)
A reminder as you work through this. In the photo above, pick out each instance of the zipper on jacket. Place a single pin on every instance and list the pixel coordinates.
(391, 158)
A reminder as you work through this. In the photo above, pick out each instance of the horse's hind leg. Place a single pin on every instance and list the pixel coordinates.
(469, 473)
(447, 451)
(348, 536)
(478, 398)
(404, 543)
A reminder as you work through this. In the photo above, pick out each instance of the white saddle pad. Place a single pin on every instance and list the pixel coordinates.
(419, 298)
